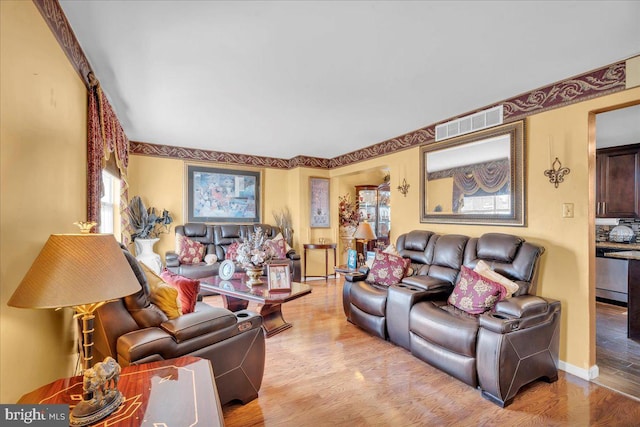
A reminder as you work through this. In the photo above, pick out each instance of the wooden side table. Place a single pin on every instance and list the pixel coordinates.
(171, 392)
(326, 247)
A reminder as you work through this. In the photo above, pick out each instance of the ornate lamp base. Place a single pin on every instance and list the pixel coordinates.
(90, 411)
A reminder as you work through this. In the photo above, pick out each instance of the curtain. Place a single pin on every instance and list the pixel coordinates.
(484, 178)
(106, 138)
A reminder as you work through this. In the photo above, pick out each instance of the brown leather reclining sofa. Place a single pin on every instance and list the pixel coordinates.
(217, 239)
(498, 351)
(132, 330)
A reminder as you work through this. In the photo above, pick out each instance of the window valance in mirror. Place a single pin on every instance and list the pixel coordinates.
(475, 179)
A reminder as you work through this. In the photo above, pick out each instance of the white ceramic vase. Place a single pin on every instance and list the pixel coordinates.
(146, 255)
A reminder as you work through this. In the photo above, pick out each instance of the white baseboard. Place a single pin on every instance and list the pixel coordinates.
(585, 374)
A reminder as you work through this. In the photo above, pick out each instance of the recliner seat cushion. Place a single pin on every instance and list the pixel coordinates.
(368, 298)
(453, 331)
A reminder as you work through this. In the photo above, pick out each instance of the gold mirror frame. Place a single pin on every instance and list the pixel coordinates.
(516, 214)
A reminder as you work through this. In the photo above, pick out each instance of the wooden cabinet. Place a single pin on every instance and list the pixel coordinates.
(618, 182)
(374, 205)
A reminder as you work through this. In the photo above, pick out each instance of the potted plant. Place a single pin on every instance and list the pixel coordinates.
(285, 223)
(146, 225)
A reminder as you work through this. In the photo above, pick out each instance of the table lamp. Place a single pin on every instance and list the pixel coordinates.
(365, 233)
(83, 271)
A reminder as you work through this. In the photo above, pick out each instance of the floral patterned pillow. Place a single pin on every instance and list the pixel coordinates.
(279, 247)
(232, 251)
(476, 294)
(191, 252)
(387, 269)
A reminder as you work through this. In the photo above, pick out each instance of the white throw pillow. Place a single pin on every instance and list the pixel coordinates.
(210, 259)
(483, 269)
(391, 249)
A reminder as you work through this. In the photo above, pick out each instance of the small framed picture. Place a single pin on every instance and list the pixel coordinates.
(370, 257)
(279, 277)
(352, 259)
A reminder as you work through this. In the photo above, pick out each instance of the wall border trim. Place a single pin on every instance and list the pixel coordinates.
(592, 84)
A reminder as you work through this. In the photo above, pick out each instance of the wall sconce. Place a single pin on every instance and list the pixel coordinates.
(556, 173)
(404, 187)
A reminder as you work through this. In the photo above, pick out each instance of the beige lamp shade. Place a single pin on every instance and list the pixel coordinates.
(364, 232)
(76, 269)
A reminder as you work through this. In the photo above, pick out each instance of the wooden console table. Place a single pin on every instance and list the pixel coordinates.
(326, 247)
(171, 392)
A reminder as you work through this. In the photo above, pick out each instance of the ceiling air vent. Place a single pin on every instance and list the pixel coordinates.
(471, 123)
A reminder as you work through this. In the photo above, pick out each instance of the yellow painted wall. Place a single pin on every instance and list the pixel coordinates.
(569, 242)
(440, 192)
(161, 183)
(43, 117)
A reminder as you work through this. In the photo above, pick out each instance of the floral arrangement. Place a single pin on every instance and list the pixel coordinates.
(347, 214)
(284, 222)
(145, 223)
(255, 250)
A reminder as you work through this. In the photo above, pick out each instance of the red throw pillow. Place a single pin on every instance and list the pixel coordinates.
(232, 251)
(279, 247)
(476, 294)
(190, 251)
(387, 269)
(188, 289)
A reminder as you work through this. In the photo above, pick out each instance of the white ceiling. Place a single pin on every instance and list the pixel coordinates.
(323, 78)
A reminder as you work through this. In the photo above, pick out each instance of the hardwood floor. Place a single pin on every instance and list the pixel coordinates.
(617, 357)
(327, 372)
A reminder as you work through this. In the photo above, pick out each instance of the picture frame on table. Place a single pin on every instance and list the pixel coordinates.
(220, 195)
(319, 208)
(279, 277)
(371, 255)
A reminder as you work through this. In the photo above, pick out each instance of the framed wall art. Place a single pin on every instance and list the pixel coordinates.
(279, 277)
(218, 195)
(319, 193)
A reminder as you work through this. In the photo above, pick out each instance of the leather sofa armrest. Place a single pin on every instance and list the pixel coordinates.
(358, 276)
(522, 306)
(519, 313)
(293, 255)
(143, 344)
(171, 259)
(198, 323)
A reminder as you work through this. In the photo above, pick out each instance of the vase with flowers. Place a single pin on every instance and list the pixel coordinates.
(146, 226)
(347, 215)
(253, 254)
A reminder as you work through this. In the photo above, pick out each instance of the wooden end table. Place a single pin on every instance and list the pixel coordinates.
(171, 392)
(236, 296)
(325, 247)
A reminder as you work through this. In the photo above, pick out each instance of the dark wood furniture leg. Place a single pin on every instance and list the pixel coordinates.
(272, 320)
(234, 304)
(305, 264)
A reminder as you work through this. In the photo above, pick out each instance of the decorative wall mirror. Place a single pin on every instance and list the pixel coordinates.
(475, 179)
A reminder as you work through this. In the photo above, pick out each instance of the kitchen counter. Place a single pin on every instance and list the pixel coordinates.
(614, 245)
(631, 255)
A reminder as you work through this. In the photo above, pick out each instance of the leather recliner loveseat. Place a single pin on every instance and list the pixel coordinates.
(133, 330)
(498, 351)
(217, 239)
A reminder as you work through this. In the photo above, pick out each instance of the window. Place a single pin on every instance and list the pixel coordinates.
(487, 204)
(109, 205)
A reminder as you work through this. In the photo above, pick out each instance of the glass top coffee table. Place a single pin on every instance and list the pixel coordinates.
(236, 296)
